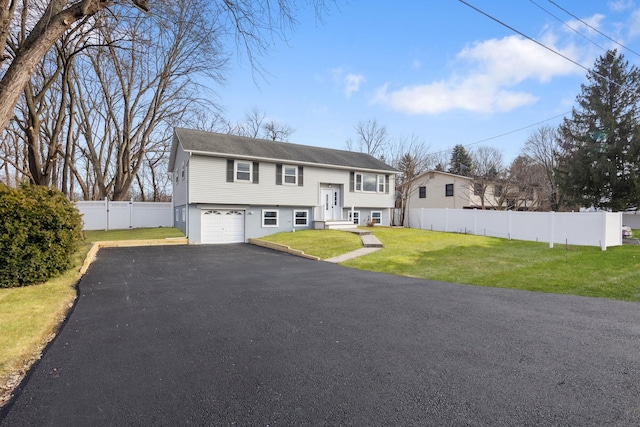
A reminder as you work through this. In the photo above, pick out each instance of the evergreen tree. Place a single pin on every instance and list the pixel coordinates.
(599, 161)
(461, 163)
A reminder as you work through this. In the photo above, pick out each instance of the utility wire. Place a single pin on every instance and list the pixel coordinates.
(506, 133)
(539, 43)
(569, 26)
(593, 28)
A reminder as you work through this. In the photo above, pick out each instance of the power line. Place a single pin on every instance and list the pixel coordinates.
(568, 26)
(593, 28)
(539, 43)
(507, 133)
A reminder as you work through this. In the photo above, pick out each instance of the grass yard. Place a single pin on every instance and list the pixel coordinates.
(30, 315)
(488, 261)
(321, 243)
(132, 234)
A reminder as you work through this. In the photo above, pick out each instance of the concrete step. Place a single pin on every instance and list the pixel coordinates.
(370, 241)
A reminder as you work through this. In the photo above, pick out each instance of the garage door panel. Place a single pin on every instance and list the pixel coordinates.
(222, 226)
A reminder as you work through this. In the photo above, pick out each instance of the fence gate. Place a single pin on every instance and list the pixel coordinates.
(108, 215)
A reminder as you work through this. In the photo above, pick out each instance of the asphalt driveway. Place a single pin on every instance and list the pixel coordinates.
(241, 335)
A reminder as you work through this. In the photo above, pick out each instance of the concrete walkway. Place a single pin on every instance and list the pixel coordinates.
(370, 244)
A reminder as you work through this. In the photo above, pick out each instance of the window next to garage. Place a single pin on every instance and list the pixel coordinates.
(300, 218)
(269, 217)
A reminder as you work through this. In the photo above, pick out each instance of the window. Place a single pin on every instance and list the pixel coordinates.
(270, 218)
(422, 192)
(477, 189)
(243, 171)
(354, 216)
(448, 190)
(370, 183)
(290, 174)
(184, 214)
(300, 218)
(376, 217)
(497, 190)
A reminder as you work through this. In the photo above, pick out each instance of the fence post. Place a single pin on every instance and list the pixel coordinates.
(475, 221)
(603, 241)
(551, 229)
(509, 224)
(131, 213)
(106, 214)
(421, 218)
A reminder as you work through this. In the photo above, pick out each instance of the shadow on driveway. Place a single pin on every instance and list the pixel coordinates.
(236, 334)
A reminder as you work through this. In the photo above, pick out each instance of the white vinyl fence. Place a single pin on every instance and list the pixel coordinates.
(602, 229)
(632, 220)
(107, 215)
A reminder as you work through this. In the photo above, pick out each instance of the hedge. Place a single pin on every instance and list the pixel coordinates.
(40, 230)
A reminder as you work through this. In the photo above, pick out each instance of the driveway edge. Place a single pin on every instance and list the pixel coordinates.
(91, 255)
(282, 248)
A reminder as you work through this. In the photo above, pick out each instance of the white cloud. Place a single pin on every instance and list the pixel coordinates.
(491, 72)
(621, 5)
(349, 82)
(634, 24)
(352, 83)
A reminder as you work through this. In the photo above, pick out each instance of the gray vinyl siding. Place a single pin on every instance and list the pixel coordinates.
(180, 187)
(208, 184)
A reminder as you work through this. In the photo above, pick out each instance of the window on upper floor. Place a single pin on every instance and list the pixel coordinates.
(448, 190)
(242, 171)
(370, 182)
(422, 192)
(290, 174)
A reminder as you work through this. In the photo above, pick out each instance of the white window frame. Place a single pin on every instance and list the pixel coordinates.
(295, 218)
(376, 217)
(264, 218)
(236, 171)
(284, 175)
(380, 185)
(355, 218)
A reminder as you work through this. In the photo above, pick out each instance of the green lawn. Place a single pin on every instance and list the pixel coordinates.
(30, 315)
(488, 261)
(132, 234)
(321, 243)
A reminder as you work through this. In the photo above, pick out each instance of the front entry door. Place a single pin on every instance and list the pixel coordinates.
(331, 203)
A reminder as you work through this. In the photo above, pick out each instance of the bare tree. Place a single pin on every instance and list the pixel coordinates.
(54, 20)
(276, 131)
(488, 170)
(542, 147)
(372, 138)
(138, 84)
(410, 155)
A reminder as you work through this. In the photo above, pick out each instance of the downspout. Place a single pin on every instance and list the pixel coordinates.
(188, 207)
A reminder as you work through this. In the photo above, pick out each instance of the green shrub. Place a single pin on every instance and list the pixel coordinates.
(40, 230)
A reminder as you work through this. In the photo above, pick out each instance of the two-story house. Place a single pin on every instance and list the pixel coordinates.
(440, 190)
(228, 188)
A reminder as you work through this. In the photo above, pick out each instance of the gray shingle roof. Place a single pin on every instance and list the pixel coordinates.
(231, 145)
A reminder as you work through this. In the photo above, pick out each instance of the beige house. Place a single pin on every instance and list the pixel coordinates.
(443, 190)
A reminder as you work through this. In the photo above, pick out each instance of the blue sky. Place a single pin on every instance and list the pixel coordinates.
(436, 69)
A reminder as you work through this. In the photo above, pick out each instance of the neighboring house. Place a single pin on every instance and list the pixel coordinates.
(435, 189)
(228, 188)
(440, 190)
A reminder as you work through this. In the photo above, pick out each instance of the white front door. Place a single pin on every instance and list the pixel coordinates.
(331, 204)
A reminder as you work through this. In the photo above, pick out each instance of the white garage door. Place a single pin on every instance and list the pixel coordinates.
(222, 226)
